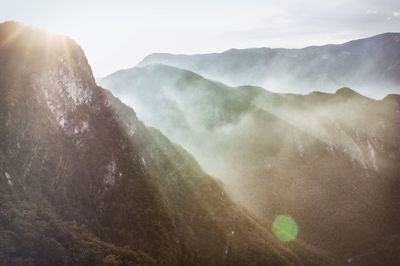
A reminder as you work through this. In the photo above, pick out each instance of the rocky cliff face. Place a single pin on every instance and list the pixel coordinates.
(329, 160)
(84, 182)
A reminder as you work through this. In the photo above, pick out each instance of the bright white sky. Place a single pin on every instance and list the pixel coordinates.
(118, 34)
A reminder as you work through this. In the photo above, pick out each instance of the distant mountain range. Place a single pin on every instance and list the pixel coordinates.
(370, 66)
(329, 160)
(84, 182)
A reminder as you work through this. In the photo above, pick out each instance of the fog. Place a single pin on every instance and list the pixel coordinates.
(319, 158)
(302, 139)
(369, 66)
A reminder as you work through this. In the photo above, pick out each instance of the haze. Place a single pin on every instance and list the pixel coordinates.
(118, 34)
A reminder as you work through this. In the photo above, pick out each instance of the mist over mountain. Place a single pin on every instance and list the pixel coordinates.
(330, 160)
(370, 66)
(84, 182)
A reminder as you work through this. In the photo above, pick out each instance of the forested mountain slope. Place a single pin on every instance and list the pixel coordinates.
(328, 160)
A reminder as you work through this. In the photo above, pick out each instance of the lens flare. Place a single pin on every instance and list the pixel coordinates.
(285, 228)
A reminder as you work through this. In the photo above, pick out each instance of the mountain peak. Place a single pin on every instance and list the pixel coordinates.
(10, 24)
(346, 92)
(55, 64)
(390, 35)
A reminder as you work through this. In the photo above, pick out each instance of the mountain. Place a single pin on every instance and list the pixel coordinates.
(330, 161)
(370, 66)
(84, 182)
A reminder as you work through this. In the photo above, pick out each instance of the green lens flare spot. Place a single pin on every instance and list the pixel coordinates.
(285, 228)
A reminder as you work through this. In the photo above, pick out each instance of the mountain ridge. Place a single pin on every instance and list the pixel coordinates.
(370, 66)
(385, 34)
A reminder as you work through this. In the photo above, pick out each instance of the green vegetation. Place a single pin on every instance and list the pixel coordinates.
(31, 234)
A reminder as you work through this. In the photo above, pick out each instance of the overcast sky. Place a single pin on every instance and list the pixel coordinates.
(118, 34)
